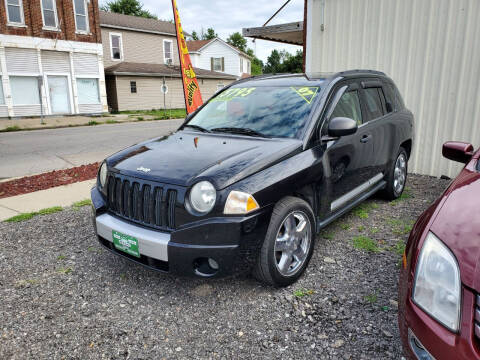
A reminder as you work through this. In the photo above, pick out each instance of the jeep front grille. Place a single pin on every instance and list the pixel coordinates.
(143, 202)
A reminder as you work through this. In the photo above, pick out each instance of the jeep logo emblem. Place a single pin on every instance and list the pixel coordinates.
(141, 168)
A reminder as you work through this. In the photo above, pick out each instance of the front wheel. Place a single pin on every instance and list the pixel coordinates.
(397, 176)
(288, 245)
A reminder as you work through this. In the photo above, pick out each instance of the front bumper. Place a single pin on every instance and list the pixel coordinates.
(231, 242)
(424, 338)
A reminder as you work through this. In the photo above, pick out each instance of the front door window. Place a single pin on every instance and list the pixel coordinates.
(58, 93)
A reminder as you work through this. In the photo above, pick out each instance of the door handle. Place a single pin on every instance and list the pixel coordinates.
(365, 138)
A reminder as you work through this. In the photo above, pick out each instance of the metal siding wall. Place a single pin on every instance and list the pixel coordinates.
(428, 47)
(22, 60)
(28, 110)
(55, 61)
(85, 64)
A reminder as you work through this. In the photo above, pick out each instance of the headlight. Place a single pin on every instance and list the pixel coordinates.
(240, 203)
(203, 196)
(437, 283)
(102, 175)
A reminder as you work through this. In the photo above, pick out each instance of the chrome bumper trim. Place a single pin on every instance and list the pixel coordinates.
(150, 243)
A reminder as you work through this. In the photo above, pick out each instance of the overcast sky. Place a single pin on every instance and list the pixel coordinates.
(227, 17)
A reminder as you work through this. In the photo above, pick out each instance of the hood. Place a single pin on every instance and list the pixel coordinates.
(458, 224)
(185, 157)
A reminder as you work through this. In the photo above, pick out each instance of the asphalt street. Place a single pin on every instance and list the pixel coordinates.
(31, 152)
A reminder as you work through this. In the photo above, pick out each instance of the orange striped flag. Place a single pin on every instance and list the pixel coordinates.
(193, 97)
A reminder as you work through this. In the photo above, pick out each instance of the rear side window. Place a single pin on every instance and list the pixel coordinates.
(348, 106)
(373, 98)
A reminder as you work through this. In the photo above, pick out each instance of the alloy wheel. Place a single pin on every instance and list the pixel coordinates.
(400, 174)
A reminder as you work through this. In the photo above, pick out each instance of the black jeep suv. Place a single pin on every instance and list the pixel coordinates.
(249, 179)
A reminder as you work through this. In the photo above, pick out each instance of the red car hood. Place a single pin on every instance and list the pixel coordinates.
(458, 223)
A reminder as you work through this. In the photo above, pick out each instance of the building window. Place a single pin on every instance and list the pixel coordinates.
(168, 51)
(133, 87)
(81, 15)
(2, 98)
(49, 13)
(217, 64)
(15, 12)
(116, 46)
(87, 90)
(24, 90)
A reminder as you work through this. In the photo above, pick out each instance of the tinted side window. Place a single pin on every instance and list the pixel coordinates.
(390, 103)
(349, 106)
(374, 102)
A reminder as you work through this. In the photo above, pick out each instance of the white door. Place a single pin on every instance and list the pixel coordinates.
(59, 94)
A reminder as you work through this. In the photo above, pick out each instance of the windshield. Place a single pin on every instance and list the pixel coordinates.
(262, 111)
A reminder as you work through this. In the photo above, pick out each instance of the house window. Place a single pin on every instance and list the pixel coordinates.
(49, 13)
(116, 46)
(2, 98)
(15, 12)
(24, 90)
(167, 52)
(133, 87)
(81, 16)
(87, 90)
(217, 64)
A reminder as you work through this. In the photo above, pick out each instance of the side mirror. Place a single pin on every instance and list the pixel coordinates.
(342, 126)
(458, 151)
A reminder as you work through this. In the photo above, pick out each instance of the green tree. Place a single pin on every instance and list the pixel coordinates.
(195, 35)
(237, 40)
(284, 62)
(256, 64)
(209, 35)
(128, 7)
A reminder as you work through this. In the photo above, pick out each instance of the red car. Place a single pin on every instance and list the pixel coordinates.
(439, 287)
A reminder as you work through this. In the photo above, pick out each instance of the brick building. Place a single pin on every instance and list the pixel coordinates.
(51, 57)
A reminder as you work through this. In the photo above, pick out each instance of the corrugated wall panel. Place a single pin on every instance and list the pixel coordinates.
(21, 60)
(55, 61)
(428, 47)
(85, 64)
(3, 111)
(90, 109)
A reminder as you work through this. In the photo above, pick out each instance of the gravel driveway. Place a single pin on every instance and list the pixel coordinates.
(63, 296)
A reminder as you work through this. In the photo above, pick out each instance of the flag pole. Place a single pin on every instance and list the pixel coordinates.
(175, 10)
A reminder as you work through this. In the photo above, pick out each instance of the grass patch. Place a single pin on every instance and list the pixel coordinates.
(61, 257)
(140, 118)
(371, 298)
(110, 121)
(159, 114)
(77, 205)
(405, 196)
(28, 216)
(399, 248)
(345, 226)
(93, 123)
(361, 228)
(401, 227)
(328, 236)
(11, 128)
(363, 210)
(65, 271)
(365, 243)
(374, 230)
(25, 283)
(302, 293)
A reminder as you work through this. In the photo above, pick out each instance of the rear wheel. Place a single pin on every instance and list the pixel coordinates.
(397, 176)
(288, 245)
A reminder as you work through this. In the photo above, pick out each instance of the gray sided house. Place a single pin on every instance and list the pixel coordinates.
(140, 55)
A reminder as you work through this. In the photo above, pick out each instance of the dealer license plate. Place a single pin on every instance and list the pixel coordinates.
(126, 243)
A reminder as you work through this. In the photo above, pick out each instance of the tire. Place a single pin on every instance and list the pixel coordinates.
(282, 261)
(394, 190)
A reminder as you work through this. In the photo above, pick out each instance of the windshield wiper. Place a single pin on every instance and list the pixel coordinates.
(240, 131)
(196, 127)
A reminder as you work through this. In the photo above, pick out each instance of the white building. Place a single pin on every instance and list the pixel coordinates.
(428, 47)
(217, 55)
(51, 59)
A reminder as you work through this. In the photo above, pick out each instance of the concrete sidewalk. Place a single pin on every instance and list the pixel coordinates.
(52, 122)
(62, 196)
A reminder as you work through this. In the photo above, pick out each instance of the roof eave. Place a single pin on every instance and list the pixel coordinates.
(290, 33)
(130, 73)
(136, 29)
